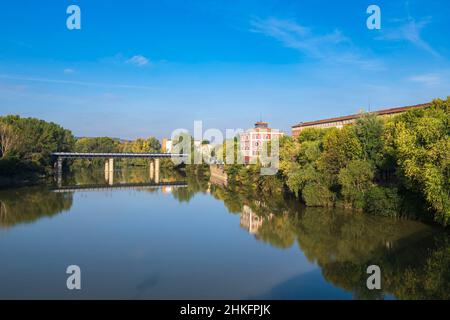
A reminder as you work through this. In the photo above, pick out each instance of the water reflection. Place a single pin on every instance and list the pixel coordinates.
(414, 257)
(120, 176)
(26, 205)
(251, 221)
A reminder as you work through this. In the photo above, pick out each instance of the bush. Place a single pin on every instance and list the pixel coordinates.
(12, 166)
(317, 194)
(383, 201)
(356, 179)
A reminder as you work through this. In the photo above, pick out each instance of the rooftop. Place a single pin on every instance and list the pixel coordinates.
(355, 116)
(261, 124)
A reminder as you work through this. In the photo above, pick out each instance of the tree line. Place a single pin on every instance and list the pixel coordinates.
(396, 166)
(26, 145)
(111, 145)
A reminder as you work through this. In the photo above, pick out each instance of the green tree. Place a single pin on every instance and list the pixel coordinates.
(340, 147)
(140, 145)
(356, 179)
(9, 140)
(95, 145)
(369, 131)
(419, 141)
(38, 139)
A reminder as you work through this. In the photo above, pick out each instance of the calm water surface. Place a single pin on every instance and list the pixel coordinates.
(190, 239)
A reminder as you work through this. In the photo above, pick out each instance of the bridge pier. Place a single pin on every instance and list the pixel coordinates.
(106, 170)
(111, 164)
(111, 178)
(59, 173)
(151, 169)
(111, 171)
(156, 170)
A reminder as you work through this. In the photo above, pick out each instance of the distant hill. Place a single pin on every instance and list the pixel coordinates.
(115, 139)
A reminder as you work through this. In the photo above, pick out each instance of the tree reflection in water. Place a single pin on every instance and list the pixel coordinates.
(26, 205)
(414, 258)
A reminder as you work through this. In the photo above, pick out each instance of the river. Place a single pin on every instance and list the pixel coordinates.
(185, 238)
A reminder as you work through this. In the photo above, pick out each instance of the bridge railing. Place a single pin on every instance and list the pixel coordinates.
(115, 155)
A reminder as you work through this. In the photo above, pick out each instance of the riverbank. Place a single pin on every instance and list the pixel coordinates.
(391, 167)
(17, 173)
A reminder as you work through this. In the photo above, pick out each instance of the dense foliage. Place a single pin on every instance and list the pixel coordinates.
(385, 166)
(108, 145)
(26, 145)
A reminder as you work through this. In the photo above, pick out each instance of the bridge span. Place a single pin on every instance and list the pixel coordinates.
(109, 163)
(112, 155)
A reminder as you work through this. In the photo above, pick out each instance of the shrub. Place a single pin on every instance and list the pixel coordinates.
(317, 194)
(383, 201)
(356, 180)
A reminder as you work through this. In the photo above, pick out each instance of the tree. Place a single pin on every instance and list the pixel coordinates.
(9, 139)
(38, 139)
(340, 147)
(140, 145)
(369, 131)
(420, 143)
(95, 144)
(356, 179)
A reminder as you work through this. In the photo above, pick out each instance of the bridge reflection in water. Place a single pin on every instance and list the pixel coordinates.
(96, 187)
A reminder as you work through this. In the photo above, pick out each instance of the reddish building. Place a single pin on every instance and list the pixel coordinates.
(340, 122)
(252, 141)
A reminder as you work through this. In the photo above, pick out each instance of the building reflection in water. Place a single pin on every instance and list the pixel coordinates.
(166, 189)
(251, 221)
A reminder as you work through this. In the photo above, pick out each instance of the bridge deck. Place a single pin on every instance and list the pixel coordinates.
(115, 155)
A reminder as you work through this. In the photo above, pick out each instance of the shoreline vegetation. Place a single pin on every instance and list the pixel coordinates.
(394, 167)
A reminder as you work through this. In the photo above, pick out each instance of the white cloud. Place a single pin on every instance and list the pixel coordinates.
(138, 60)
(69, 71)
(332, 47)
(70, 82)
(410, 30)
(426, 79)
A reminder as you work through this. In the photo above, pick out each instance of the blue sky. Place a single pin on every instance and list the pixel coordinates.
(141, 68)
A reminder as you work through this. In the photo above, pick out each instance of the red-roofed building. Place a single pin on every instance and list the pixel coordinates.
(340, 122)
